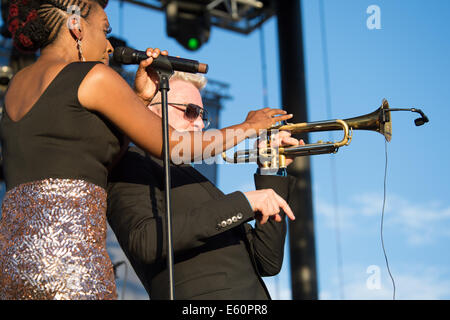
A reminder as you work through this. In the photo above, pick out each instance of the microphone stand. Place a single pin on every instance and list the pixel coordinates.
(164, 68)
(164, 72)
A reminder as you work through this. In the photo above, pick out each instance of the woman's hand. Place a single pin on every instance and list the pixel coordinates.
(146, 80)
(264, 118)
(268, 204)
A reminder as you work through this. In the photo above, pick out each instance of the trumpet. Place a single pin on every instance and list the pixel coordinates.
(275, 157)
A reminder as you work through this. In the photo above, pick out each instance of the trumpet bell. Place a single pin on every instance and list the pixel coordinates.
(379, 121)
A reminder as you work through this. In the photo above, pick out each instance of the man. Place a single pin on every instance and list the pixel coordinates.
(217, 254)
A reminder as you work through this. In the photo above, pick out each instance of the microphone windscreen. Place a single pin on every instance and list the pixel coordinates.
(419, 121)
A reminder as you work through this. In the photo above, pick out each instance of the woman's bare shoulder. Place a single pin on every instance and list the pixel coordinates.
(102, 83)
(100, 71)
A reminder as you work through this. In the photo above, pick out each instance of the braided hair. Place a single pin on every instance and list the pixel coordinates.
(35, 24)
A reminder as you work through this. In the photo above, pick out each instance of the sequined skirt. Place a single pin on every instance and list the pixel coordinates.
(53, 242)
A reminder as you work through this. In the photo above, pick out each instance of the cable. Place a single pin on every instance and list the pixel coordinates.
(124, 288)
(263, 66)
(262, 46)
(333, 160)
(382, 220)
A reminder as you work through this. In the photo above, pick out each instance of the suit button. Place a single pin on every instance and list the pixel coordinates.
(229, 221)
(223, 224)
(239, 216)
(234, 219)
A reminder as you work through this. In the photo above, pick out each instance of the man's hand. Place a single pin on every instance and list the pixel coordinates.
(268, 203)
(282, 138)
(146, 80)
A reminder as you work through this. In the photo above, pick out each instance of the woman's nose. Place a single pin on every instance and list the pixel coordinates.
(110, 48)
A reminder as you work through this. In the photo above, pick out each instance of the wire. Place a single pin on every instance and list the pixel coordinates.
(326, 73)
(124, 288)
(263, 66)
(115, 266)
(262, 46)
(382, 220)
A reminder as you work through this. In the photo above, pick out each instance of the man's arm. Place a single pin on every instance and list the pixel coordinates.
(267, 240)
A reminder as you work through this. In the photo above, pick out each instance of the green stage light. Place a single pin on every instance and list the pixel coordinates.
(193, 43)
(188, 22)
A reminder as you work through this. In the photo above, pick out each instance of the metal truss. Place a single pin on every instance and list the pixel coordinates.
(242, 16)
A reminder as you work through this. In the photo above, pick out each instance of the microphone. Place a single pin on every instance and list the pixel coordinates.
(419, 121)
(125, 55)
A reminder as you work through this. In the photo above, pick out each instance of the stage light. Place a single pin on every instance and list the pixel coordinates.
(193, 44)
(189, 23)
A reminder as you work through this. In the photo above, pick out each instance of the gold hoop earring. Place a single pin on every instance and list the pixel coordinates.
(80, 51)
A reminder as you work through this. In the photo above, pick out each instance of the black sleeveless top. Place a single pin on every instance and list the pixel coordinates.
(58, 137)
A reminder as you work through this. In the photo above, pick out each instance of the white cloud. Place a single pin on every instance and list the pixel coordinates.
(408, 287)
(422, 283)
(412, 283)
(420, 222)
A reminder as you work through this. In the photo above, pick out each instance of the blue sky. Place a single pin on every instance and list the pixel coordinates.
(406, 62)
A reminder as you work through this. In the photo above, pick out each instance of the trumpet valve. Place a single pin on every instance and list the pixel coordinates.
(282, 161)
(268, 157)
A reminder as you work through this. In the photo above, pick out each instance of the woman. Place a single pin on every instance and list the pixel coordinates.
(61, 128)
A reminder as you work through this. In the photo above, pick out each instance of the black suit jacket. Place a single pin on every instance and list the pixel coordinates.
(217, 254)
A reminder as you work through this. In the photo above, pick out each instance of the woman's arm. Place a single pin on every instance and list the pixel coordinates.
(105, 91)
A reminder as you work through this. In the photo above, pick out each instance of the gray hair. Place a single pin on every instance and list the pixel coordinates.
(198, 80)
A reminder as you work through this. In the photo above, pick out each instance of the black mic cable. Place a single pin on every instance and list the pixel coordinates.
(418, 122)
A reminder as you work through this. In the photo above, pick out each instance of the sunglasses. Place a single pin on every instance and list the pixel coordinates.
(191, 111)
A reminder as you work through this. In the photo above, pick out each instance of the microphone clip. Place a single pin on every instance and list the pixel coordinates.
(418, 122)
